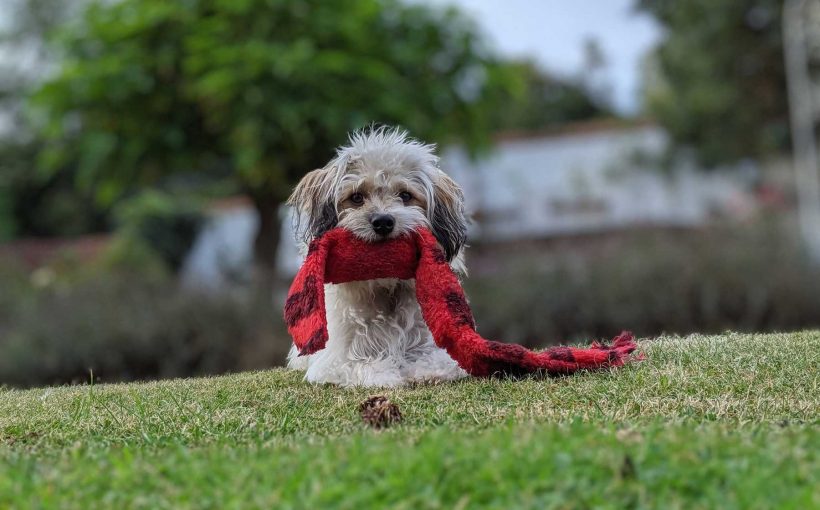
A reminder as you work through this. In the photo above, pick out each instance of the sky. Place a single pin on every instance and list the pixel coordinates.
(553, 33)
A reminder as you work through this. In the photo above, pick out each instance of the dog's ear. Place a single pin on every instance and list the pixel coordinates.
(313, 203)
(448, 221)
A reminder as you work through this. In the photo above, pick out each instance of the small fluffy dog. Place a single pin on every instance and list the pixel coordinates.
(383, 184)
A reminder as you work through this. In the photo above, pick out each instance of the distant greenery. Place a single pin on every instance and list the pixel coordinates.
(753, 278)
(69, 317)
(188, 97)
(720, 86)
(167, 224)
(727, 421)
(256, 91)
(57, 327)
(33, 204)
(542, 101)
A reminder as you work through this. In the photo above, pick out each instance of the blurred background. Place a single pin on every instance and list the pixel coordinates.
(629, 164)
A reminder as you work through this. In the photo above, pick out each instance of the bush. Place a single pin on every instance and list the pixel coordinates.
(125, 328)
(62, 321)
(165, 224)
(752, 279)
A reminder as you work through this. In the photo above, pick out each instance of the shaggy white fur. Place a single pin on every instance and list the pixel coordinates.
(377, 336)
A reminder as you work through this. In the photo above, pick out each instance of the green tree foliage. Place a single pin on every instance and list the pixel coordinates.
(32, 204)
(541, 101)
(722, 87)
(260, 91)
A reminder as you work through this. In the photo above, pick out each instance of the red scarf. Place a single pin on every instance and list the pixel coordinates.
(339, 257)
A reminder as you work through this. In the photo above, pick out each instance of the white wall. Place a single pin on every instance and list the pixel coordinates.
(582, 182)
(222, 254)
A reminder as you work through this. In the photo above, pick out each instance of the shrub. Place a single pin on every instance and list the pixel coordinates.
(752, 279)
(125, 328)
(61, 322)
(166, 224)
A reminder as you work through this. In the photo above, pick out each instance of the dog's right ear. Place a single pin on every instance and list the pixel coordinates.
(449, 223)
(314, 206)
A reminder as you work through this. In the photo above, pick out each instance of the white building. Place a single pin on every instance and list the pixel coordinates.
(592, 178)
(222, 254)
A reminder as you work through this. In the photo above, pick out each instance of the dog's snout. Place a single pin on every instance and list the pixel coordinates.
(383, 224)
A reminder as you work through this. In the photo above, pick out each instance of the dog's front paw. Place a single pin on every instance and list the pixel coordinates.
(378, 373)
(296, 362)
(375, 373)
(435, 366)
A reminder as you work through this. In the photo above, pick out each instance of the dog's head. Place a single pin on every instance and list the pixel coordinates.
(381, 185)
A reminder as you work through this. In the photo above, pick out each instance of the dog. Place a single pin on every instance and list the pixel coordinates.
(381, 185)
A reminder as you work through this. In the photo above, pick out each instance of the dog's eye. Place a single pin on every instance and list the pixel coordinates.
(405, 196)
(357, 198)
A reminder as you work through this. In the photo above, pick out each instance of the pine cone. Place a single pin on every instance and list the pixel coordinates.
(378, 412)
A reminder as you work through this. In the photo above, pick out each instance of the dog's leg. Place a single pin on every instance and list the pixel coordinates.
(362, 348)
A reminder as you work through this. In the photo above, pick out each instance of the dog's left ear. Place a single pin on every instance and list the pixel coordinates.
(449, 223)
(314, 207)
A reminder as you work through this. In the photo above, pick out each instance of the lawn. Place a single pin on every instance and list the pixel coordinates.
(727, 421)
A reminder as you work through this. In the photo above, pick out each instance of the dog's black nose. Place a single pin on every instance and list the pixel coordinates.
(383, 224)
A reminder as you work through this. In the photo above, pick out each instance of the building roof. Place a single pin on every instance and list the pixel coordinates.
(575, 128)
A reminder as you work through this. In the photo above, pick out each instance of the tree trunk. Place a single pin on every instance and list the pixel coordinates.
(266, 243)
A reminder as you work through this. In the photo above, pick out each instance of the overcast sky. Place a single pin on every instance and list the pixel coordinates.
(553, 32)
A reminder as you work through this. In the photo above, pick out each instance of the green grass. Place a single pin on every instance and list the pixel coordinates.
(727, 421)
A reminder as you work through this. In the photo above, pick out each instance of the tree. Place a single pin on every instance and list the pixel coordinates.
(595, 72)
(31, 204)
(722, 87)
(260, 91)
(24, 36)
(540, 101)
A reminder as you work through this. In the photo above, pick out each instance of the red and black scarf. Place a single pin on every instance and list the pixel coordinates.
(339, 257)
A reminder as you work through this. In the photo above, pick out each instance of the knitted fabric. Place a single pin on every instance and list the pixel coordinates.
(339, 257)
